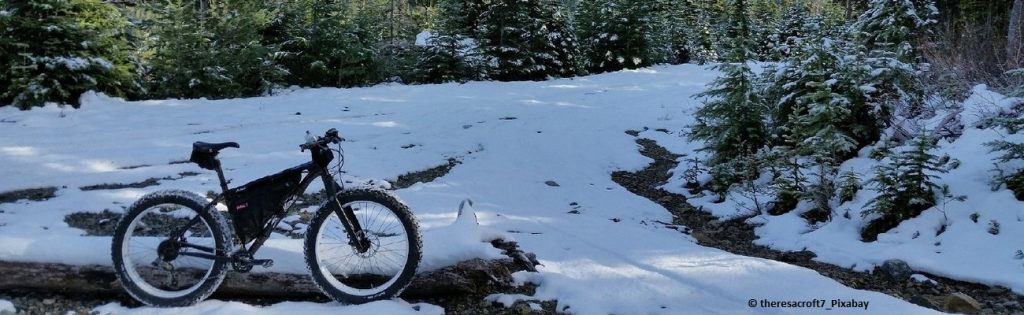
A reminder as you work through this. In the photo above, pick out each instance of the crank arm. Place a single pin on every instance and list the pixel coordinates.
(207, 256)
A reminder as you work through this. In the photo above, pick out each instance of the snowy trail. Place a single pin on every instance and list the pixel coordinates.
(531, 153)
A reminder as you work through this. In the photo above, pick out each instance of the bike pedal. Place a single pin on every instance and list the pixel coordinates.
(265, 263)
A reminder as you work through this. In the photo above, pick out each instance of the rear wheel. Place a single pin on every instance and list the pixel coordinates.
(156, 267)
(382, 271)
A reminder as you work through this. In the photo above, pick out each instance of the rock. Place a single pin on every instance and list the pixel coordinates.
(998, 290)
(895, 270)
(922, 301)
(961, 303)
(523, 308)
(665, 199)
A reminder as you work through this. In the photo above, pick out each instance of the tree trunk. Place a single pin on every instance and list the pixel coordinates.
(1014, 45)
(471, 276)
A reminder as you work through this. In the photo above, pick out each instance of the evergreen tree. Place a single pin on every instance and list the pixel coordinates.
(849, 186)
(823, 117)
(55, 50)
(556, 42)
(793, 27)
(674, 37)
(816, 99)
(443, 60)
(731, 122)
(322, 47)
(885, 182)
(211, 51)
(526, 40)
(703, 36)
(460, 17)
(618, 33)
(505, 33)
(906, 184)
(1009, 152)
(764, 17)
(887, 31)
(788, 179)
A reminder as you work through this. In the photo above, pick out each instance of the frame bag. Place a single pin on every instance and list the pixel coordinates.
(254, 204)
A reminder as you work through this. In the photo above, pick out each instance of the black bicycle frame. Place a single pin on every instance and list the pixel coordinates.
(312, 170)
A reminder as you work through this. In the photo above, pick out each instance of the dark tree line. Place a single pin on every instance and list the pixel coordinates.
(55, 50)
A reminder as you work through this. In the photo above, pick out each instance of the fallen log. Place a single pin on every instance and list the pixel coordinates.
(471, 276)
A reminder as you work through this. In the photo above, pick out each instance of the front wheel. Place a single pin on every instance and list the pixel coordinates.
(384, 269)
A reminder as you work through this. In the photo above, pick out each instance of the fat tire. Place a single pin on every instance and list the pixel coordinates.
(219, 227)
(409, 223)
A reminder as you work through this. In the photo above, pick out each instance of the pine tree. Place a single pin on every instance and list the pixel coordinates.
(849, 185)
(674, 35)
(1017, 82)
(323, 47)
(443, 60)
(887, 31)
(823, 111)
(789, 180)
(460, 17)
(527, 40)
(56, 50)
(906, 184)
(816, 99)
(213, 51)
(793, 27)
(618, 33)
(703, 36)
(764, 17)
(1009, 152)
(731, 122)
(885, 182)
(506, 31)
(556, 43)
(917, 180)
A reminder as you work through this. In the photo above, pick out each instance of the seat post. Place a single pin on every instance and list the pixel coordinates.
(220, 176)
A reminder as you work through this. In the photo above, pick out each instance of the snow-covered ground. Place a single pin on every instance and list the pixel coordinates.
(977, 239)
(531, 153)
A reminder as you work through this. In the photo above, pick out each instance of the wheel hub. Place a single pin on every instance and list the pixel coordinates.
(372, 247)
(168, 250)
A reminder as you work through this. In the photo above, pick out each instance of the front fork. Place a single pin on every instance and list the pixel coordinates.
(347, 215)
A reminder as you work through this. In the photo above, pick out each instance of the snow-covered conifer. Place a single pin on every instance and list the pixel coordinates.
(887, 32)
(616, 33)
(731, 122)
(55, 50)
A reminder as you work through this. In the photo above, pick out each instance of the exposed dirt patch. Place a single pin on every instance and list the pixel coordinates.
(424, 176)
(131, 167)
(737, 237)
(152, 181)
(34, 194)
(93, 223)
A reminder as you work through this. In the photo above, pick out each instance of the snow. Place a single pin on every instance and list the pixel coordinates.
(422, 37)
(7, 306)
(73, 63)
(609, 256)
(922, 278)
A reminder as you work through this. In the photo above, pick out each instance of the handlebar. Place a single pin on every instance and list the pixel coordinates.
(329, 137)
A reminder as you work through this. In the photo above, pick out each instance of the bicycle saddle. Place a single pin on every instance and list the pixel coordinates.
(212, 147)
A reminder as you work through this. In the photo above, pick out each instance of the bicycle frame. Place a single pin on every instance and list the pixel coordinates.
(312, 171)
